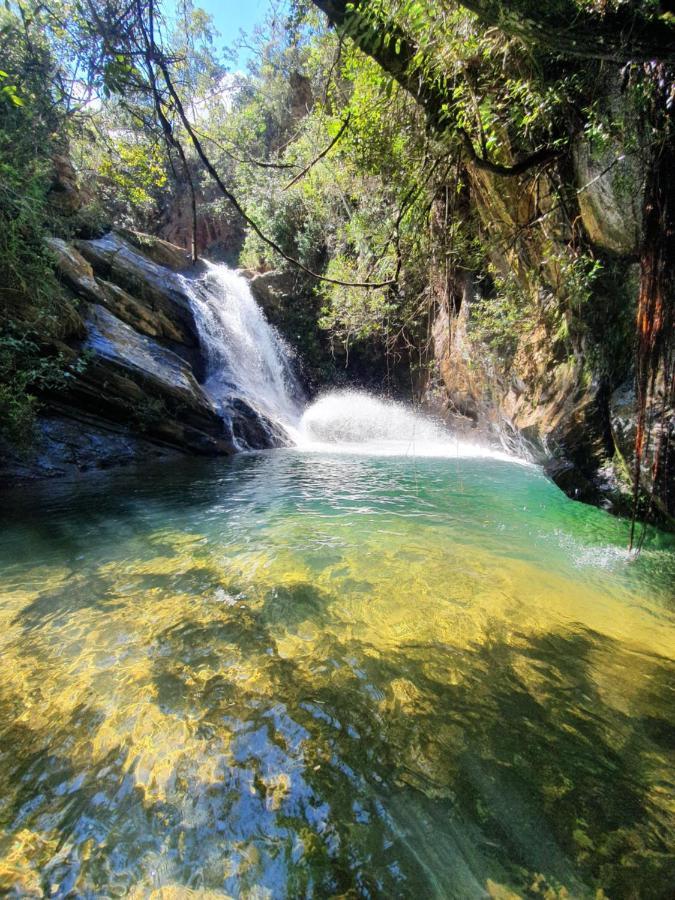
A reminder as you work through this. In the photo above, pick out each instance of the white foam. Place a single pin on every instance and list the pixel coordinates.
(358, 423)
(247, 358)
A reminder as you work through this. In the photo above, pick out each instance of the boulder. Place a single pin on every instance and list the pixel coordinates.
(251, 429)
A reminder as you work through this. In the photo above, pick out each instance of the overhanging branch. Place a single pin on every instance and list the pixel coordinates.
(396, 56)
(155, 57)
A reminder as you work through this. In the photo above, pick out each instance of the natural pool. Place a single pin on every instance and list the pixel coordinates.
(319, 675)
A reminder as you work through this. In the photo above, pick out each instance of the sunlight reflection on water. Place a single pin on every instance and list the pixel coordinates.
(307, 675)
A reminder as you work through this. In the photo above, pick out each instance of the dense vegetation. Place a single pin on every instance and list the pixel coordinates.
(385, 155)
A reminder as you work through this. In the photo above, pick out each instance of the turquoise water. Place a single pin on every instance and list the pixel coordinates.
(316, 675)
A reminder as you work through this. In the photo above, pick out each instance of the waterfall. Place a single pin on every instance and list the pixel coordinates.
(246, 358)
(249, 364)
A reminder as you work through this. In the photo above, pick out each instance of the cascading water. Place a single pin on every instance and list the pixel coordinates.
(247, 360)
(245, 356)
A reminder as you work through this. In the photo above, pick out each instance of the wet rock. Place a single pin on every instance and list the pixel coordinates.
(160, 290)
(131, 379)
(73, 268)
(65, 446)
(252, 430)
(110, 338)
(159, 251)
(545, 411)
(659, 436)
(132, 390)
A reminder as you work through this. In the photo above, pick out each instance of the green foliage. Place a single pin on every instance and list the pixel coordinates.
(352, 314)
(555, 298)
(501, 319)
(24, 372)
(363, 210)
(31, 299)
(134, 171)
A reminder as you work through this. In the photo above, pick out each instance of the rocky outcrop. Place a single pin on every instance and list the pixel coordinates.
(547, 411)
(132, 391)
(610, 188)
(158, 289)
(132, 376)
(159, 251)
(545, 353)
(220, 231)
(577, 421)
(65, 447)
(79, 276)
(65, 193)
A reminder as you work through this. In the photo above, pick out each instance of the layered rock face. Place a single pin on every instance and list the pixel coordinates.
(565, 395)
(133, 389)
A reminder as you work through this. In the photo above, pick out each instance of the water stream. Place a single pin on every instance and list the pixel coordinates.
(380, 663)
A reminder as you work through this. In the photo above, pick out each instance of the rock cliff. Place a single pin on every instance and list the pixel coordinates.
(564, 389)
(134, 366)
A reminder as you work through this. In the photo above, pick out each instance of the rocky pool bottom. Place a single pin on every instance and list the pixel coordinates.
(316, 675)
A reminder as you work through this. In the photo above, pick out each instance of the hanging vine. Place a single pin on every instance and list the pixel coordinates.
(655, 342)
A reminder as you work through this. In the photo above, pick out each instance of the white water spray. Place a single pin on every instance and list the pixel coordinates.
(356, 422)
(248, 360)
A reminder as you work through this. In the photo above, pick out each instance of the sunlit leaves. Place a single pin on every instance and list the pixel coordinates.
(9, 92)
(136, 169)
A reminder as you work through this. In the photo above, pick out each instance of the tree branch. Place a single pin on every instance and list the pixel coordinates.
(538, 158)
(321, 155)
(155, 56)
(396, 56)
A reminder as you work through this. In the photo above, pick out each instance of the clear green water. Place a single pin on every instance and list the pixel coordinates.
(313, 676)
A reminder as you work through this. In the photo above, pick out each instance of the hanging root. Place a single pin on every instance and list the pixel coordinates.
(654, 360)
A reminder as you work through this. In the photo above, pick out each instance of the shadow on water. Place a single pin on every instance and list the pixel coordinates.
(427, 771)
(188, 703)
